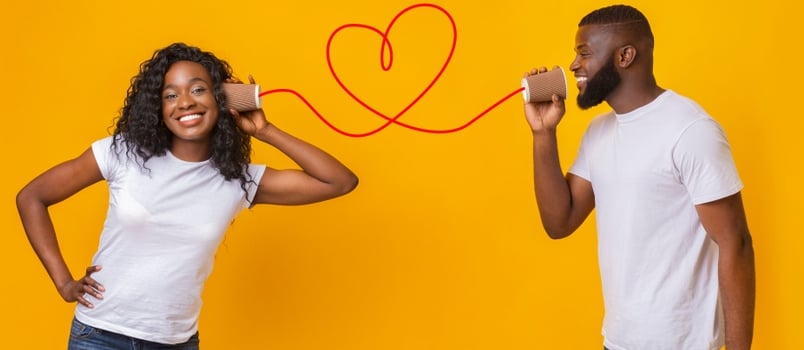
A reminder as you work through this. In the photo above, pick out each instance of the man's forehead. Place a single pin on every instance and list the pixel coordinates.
(593, 35)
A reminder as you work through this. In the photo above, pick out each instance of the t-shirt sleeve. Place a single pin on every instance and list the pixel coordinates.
(580, 167)
(107, 159)
(256, 171)
(704, 162)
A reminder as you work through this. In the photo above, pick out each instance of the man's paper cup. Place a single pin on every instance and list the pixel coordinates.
(242, 97)
(541, 87)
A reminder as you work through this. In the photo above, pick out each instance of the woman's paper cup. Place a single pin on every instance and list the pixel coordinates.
(242, 97)
(541, 87)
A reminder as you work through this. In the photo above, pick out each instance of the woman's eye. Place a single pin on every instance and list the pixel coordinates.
(198, 90)
(170, 96)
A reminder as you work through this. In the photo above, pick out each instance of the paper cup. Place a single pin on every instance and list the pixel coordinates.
(541, 87)
(242, 97)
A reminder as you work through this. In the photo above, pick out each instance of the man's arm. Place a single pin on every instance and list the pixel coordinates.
(564, 202)
(725, 222)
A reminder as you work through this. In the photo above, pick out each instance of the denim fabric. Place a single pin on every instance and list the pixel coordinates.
(85, 337)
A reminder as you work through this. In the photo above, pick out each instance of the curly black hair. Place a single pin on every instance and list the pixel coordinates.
(140, 125)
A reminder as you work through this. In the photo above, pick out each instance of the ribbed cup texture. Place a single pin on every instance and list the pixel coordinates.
(541, 87)
(242, 97)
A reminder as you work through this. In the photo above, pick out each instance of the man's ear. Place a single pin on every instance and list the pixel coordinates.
(626, 56)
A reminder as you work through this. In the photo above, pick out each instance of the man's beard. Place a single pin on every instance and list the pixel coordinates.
(599, 86)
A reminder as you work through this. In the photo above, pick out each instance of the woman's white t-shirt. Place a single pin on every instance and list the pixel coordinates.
(162, 229)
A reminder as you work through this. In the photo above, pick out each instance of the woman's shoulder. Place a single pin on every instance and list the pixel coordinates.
(104, 141)
(111, 148)
(109, 143)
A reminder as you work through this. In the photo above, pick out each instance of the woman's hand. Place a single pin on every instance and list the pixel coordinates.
(250, 122)
(76, 290)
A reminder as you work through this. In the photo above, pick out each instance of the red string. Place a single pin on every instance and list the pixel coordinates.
(386, 45)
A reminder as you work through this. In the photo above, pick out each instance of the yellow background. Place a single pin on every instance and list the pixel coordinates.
(440, 247)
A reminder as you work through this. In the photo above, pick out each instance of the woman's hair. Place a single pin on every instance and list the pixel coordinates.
(141, 128)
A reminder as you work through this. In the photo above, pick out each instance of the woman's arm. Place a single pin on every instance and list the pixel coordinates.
(321, 176)
(51, 187)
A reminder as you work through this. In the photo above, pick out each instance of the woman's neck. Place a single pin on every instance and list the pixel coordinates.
(191, 151)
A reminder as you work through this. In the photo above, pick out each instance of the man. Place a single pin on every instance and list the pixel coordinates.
(676, 258)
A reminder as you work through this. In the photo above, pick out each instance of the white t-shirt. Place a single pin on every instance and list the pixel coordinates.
(162, 229)
(648, 169)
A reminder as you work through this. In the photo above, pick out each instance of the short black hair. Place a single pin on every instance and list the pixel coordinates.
(622, 15)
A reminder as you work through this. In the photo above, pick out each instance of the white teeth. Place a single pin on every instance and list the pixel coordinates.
(580, 79)
(189, 117)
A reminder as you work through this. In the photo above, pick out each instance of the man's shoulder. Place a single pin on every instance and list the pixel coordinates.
(675, 100)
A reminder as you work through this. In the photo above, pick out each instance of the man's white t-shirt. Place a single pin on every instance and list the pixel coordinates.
(648, 169)
(162, 229)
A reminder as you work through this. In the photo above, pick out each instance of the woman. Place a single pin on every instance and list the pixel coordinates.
(178, 170)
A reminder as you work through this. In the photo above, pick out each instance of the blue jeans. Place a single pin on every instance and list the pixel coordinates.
(85, 337)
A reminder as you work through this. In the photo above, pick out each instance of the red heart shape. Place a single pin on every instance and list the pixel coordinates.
(386, 45)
